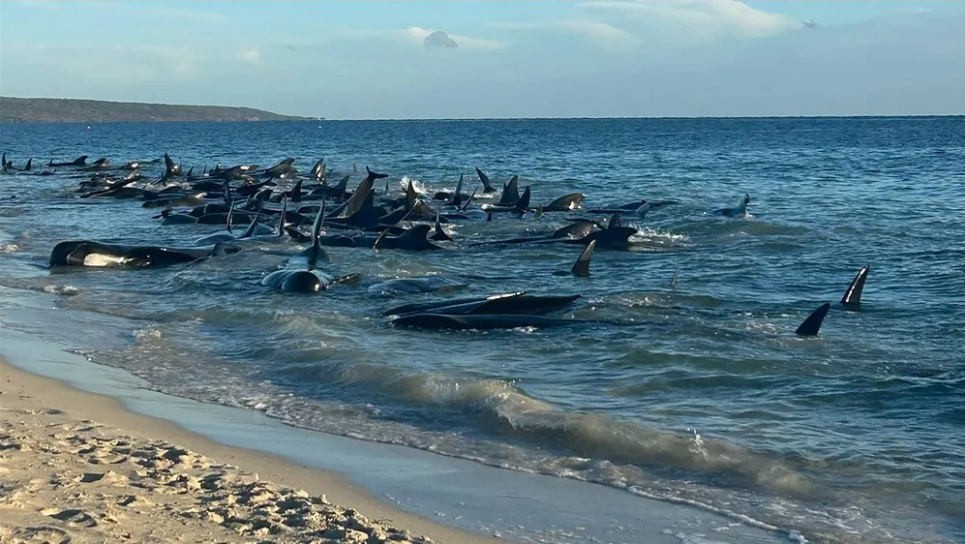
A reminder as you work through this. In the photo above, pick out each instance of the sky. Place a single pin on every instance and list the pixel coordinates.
(456, 59)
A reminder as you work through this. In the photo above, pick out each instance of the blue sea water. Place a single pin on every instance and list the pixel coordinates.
(699, 392)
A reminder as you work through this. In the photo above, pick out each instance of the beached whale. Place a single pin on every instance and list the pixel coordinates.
(408, 286)
(509, 303)
(479, 322)
(98, 254)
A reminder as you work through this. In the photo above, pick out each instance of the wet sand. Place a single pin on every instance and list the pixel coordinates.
(79, 467)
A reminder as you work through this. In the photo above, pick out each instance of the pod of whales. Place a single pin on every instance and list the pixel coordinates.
(363, 218)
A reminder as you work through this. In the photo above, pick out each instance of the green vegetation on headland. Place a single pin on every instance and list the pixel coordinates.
(56, 110)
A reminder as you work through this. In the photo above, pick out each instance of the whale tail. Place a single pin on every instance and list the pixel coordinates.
(523, 203)
(487, 185)
(812, 324)
(440, 234)
(582, 266)
(852, 297)
(374, 175)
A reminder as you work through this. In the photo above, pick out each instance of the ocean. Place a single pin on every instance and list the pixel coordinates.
(697, 391)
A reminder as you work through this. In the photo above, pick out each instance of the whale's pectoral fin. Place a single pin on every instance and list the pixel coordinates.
(812, 324)
(348, 278)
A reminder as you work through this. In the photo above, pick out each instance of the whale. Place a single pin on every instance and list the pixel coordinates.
(414, 239)
(97, 254)
(300, 274)
(565, 203)
(852, 296)
(410, 286)
(737, 211)
(507, 303)
(79, 161)
(479, 322)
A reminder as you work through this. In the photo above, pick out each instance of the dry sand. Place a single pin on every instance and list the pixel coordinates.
(77, 467)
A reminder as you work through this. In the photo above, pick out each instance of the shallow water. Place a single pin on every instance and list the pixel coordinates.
(699, 392)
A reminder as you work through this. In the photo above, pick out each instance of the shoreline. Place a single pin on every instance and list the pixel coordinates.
(446, 498)
(31, 405)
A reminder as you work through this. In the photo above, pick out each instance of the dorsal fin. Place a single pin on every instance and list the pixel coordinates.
(410, 195)
(316, 250)
(673, 281)
(297, 191)
(317, 225)
(812, 324)
(852, 297)
(342, 185)
(28, 165)
(582, 266)
(615, 221)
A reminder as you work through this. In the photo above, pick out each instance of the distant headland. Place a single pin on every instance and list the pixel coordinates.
(57, 110)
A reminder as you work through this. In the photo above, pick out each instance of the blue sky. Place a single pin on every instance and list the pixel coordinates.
(595, 58)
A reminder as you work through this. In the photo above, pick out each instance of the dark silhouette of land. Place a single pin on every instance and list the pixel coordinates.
(56, 110)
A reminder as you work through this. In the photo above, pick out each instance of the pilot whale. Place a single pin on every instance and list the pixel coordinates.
(97, 254)
(740, 210)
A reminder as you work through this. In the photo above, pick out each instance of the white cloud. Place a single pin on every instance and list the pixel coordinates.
(694, 20)
(250, 56)
(599, 33)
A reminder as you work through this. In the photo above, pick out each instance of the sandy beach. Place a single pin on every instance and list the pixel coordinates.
(78, 467)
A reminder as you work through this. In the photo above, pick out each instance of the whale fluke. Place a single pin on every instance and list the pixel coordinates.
(510, 193)
(812, 324)
(852, 297)
(440, 234)
(374, 175)
(582, 266)
(487, 185)
(522, 204)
